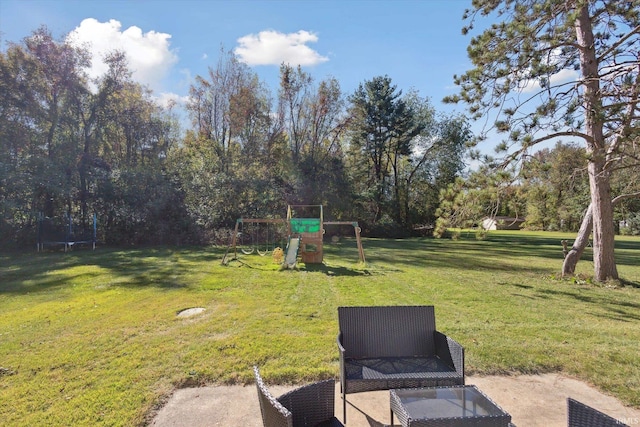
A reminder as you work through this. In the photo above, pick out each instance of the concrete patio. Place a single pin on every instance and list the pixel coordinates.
(531, 400)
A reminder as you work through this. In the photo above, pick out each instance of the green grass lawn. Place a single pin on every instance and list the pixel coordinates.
(93, 337)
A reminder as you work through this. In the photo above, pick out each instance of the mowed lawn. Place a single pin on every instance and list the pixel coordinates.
(93, 337)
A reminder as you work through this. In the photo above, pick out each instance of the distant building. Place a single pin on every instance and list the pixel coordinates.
(502, 223)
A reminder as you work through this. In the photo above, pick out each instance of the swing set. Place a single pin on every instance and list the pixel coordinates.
(258, 235)
(301, 234)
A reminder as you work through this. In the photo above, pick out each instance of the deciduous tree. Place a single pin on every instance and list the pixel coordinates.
(436, 159)
(39, 78)
(314, 123)
(227, 108)
(556, 187)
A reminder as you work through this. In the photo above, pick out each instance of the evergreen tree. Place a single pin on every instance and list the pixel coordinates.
(558, 68)
(382, 129)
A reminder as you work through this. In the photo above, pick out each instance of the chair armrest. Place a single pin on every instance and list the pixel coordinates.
(339, 342)
(311, 404)
(450, 351)
(342, 351)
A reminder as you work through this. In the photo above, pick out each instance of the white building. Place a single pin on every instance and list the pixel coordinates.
(502, 223)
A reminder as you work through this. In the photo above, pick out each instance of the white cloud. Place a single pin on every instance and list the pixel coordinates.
(167, 99)
(555, 57)
(273, 48)
(149, 55)
(561, 76)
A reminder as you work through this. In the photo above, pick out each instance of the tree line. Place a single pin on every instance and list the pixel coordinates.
(541, 71)
(549, 191)
(71, 145)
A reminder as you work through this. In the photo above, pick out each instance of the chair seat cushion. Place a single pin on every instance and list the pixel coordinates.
(398, 372)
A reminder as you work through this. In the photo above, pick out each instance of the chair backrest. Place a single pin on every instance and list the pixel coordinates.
(273, 413)
(581, 415)
(387, 331)
(312, 404)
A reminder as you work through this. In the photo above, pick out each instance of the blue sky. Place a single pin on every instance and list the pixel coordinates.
(419, 44)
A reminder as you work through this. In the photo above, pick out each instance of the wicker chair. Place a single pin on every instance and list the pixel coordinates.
(388, 347)
(581, 415)
(307, 406)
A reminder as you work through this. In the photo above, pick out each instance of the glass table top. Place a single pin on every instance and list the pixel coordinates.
(447, 402)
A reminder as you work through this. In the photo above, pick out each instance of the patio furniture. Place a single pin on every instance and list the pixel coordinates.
(307, 406)
(388, 347)
(581, 415)
(456, 406)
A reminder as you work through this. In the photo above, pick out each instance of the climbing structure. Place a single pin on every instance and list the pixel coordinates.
(305, 229)
(308, 229)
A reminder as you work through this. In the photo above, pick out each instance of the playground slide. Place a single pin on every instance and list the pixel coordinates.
(291, 257)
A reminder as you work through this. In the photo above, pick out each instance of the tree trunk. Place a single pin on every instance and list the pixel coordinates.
(581, 242)
(604, 263)
(601, 207)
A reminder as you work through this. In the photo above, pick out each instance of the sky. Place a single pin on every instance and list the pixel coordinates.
(417, 43)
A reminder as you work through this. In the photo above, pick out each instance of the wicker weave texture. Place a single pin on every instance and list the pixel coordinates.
(397, 372)
(274, 414)
(395, 347)
(387, 331)
(312, 405)
(385, 347)
(581, 415)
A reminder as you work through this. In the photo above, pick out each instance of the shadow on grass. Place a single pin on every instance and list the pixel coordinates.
(470, 255)
(492, 253)
(630, 283)
(336, 271)
(606, 305)
(159, 267)
(165, 267)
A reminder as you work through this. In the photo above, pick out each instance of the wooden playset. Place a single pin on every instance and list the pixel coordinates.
(304, 227)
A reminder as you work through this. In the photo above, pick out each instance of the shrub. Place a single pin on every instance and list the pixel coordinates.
(632, 225)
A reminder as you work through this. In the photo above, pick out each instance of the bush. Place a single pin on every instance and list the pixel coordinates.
(632, 225)
(386, 228)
